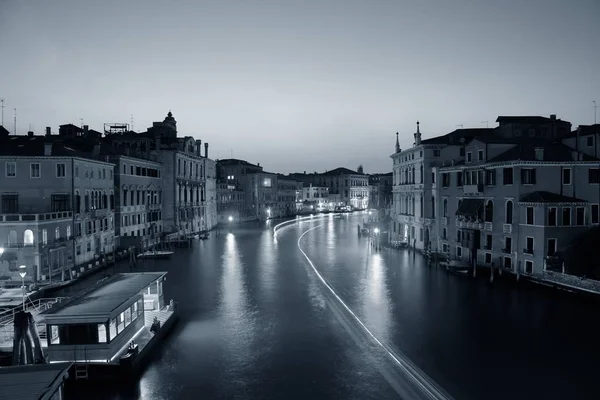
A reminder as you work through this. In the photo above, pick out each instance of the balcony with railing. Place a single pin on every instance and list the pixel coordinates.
(473, 190)
(487, 226)
(528, 251)
(37, 217)
(444, 221)
(463, 224)
(99, 212)
(507, 229)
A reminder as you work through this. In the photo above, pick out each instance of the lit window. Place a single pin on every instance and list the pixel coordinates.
(28, 237)
(101, 333)
(113, 328)
(55, 338)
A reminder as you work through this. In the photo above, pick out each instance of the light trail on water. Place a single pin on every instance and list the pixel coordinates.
(422, 381)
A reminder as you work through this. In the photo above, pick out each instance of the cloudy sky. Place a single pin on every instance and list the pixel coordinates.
(298, 85)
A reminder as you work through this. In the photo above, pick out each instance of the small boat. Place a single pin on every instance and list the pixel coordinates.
(204, 236)
(459, 267)
(156, 254)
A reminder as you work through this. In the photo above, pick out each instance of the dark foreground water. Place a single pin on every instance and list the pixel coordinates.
(258, 323)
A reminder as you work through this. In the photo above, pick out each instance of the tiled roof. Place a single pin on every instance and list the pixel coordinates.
(35, 145)
(3, 131)
(549, 197)
(553, 152)
(31, 382)
(455, 136)
(527, 119)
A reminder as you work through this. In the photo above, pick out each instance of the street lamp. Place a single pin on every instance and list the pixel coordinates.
(23, 272)
(230, 221)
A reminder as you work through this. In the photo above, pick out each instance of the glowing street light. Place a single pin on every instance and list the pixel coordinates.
(268, 213)
(230, 221)
(230, 218)
(376, 230)
(23, 272)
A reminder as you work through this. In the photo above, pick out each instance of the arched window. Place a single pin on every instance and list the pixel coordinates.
(509, 212)
(12, 237)
(57, 233)
(86, 202)
(104, 201)
(445, 210)
(112, 201)
(68, 231)
(489, 211)
(422, 174)
(28, 238)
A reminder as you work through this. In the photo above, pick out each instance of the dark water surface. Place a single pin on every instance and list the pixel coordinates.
(256, 322)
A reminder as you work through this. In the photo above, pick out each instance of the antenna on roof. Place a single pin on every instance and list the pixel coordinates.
(2, 106)
(595, 108)
(15, 121)
(132, 122)
(487, 125)
(81, 119)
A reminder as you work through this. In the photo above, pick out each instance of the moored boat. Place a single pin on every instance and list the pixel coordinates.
(157, 254)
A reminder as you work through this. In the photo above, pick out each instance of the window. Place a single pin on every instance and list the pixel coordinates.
(595, 213)
(127, 317)
(101, 333)
(566, 176)
(57, 233)
(479, 155)
(580, 216)
(552, 216)
(469, 156)
(76, 171)
(459, 179)
(10, 203)
(61, 170)
(78, 250)
(267, 182)
(590, 141)
(593, 175)
(528, 266)
(488, 258)
(490, 177)
(113, 328)
(60, 202)
(566, 216)
(55, 338)
(488, 242)
(120, 322)
(28, 237)
(458, 251)
(462, 151)
(11, 169)
(445, 208)
(445, 179)
(529, 216)
(507, 175)
(529, 245)
(445, 233)
(551, 247)
(489, 211)
(528, 176)
(44, 236)
(509, 212)
(508, 245)
(34, 170)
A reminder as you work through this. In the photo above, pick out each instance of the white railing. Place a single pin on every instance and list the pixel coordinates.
(488, 226)
(507, 229)
(444, 221)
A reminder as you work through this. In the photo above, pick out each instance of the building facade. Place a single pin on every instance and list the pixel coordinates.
(138, 201)
(286, 196)
(57, 209)
(516, 208)
(231, 202)
(380, 187)
(316, 198)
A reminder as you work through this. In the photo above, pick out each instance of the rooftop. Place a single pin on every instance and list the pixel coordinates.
(235, 161)
(585, 130)
(527, 119)
(549, 197)
(31, 382)
(553, 152)
(454, 137)
(340, 171)
(105, 296)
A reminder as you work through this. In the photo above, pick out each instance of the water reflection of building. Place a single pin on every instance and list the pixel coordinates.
(57, 207)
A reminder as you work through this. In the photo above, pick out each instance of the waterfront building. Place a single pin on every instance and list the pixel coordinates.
(286, 195)
(351, 186)
(189, 178)
(316, 198)
(231, 202)
(138, 201)
(516, 204)
(260, 193)
(414, 204)
(380, 190)
(57, 208)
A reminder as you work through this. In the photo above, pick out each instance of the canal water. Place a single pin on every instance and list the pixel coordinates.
(258, 322)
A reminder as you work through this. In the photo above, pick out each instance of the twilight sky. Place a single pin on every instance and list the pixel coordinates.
(298, 85)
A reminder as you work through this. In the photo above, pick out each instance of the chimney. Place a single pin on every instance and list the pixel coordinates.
(553, 117)
(30, 133)
(205, 150)
(258, 164)
(539, 153)
(47, 149)
(48, 131)
(86, 128)
(96, 150)
(199, 148)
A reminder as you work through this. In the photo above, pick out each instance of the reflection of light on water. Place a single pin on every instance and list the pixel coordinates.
(232, 287)
(267, 266)
(376, 302)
